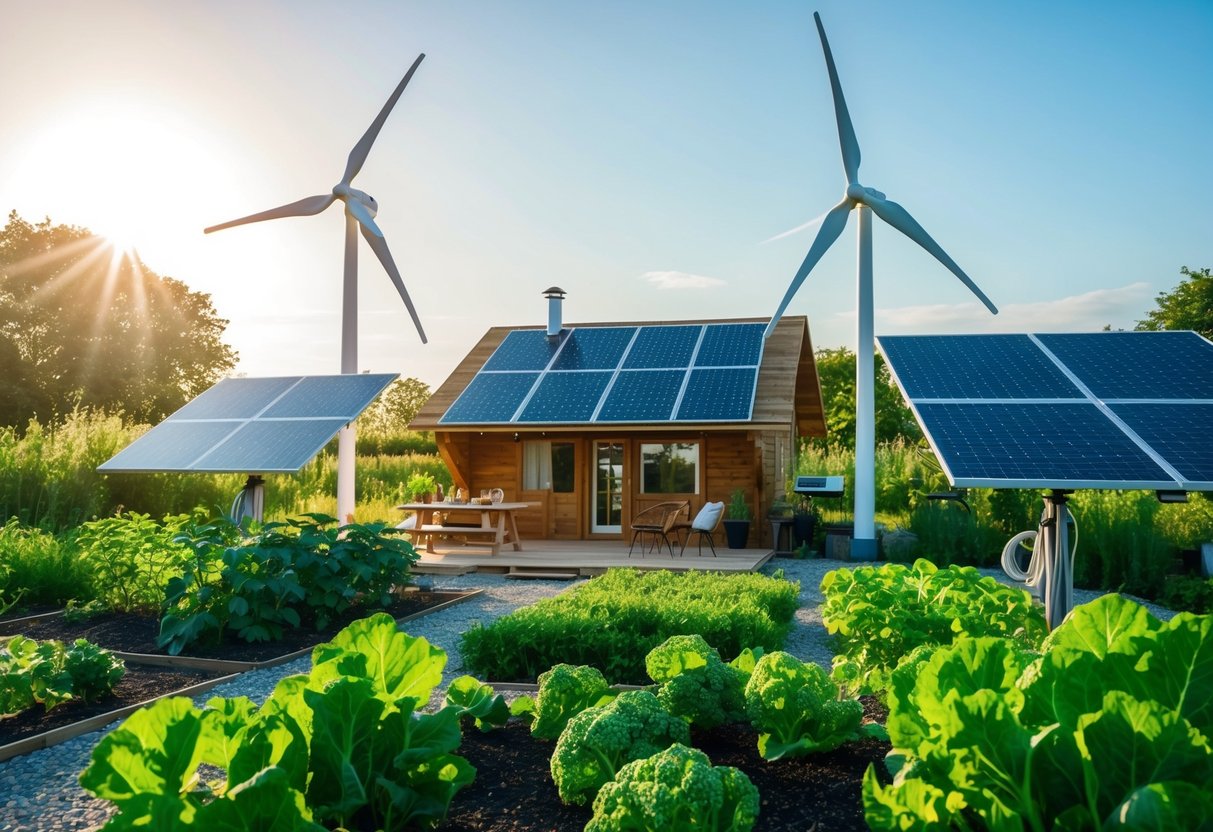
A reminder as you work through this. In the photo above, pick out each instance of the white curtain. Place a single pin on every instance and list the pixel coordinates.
(536, 466)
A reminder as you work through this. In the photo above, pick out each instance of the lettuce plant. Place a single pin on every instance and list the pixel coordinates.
(1107, 727)
(344, 746)
(695, 684)
(564, 691)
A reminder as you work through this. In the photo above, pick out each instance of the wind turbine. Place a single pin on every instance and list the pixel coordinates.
(868, 201)
(360, 211)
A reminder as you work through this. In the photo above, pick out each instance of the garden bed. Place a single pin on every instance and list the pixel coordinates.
(133, 637)
(513, 789)
(36, 728)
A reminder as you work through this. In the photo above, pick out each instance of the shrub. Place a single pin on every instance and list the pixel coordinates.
(876, 615)
(50, 674)
(612, 622)
(131, 558)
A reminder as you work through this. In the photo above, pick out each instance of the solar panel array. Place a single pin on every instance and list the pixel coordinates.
(616, 374)
(1091, 410)
(252, 425)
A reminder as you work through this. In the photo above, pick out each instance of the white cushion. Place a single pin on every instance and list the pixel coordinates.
(708, 516)
(410, 522)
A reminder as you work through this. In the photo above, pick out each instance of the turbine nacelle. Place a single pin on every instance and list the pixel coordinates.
(346, 193)
(859, 195)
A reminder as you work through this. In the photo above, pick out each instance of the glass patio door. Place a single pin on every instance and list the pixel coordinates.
(606, 513)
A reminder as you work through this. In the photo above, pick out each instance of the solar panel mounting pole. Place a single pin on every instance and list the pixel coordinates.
(346, 445)
(1058, 587)
(863, 541)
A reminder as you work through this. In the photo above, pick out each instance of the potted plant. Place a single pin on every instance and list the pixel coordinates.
(804, 521)
(737, 520)
(420, 488)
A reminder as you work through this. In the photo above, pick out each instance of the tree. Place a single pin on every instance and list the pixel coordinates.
(395, 407)
(836, 369)
(1188, 306)
(84, 325)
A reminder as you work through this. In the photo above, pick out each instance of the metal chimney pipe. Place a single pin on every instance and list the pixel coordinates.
(555, 296)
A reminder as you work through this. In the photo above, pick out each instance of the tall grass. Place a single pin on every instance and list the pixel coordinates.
(39, 568)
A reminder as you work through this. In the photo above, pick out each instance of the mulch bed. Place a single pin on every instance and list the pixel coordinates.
(139, 684)
(513, 790)
(132, 633)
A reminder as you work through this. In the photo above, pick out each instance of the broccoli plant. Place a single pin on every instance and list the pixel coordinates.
(564, 691)
(695, 684)
(676, 789)
(598, 742)
(796, 710)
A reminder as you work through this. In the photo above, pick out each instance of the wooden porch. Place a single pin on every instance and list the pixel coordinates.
(572, 558)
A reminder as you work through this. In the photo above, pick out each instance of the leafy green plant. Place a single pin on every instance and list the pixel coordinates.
(1107, 727)
(796, 710)
(40, 568)
(612, 622)
(343, 747)
(1188, 594)
(303, 572)
(695, 684)
(877, 614)
(50, 674)
(419, 485)
(598, 742)
(479, 702)
(132, 557)
(564, 691)
(738, 508)
(675, 789)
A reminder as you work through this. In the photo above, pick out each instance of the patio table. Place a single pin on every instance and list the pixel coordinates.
(497, 524)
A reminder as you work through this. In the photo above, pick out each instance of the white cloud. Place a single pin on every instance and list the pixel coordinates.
(681, 280)
(1074, 313)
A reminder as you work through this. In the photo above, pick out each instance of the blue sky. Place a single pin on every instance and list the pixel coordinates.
(639, 155)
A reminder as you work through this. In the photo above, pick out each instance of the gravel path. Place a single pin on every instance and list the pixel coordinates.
(39, 791)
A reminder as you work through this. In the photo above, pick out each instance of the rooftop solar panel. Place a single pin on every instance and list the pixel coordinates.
(594, 348)
(663, 347)
(491, 397)
(227, 427)
(642, 396)
(975, 367)
(730, 345)
(523, 349)
(566, 397)
(714, 395)
(1138, 365)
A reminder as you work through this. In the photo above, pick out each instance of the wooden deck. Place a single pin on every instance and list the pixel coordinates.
(581, 557)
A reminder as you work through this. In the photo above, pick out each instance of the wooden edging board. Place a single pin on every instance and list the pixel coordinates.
(230, 666)
(26, 619)
(93, 723)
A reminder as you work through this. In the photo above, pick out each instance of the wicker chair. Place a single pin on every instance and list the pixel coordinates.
(657, 521)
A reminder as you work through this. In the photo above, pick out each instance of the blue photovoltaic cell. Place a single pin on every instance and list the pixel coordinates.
(236, 398)
(1048, 444)
(1181, 433)
(523, 349)
(1138, 365)
(663, 347)
(718, 395)
(975, 367)
(170, 446)
(566, 397)
(491, 397)
(731, 345)
(339, 397)
(594, 348)
(265, 446)
(642, 396)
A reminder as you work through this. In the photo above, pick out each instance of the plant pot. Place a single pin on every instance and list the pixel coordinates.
(802, 528)
(737, 532)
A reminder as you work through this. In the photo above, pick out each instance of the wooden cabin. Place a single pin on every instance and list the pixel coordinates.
(592, 423)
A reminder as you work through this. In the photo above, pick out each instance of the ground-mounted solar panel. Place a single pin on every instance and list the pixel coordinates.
(730, 345)
(718, 395)
(566, 397)
(642, 396)
(491, 397)
(524, 349)
(663, 347)
(252, 425)
(1137, 365)
(975, 367)
(1137, 411)
(594, 348)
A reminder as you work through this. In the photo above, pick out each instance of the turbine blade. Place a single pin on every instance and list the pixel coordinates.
(900, 218)
(302, 208)
(363, 216)
(379, 246)
(363, 148)
(846, 132)
(831, 227)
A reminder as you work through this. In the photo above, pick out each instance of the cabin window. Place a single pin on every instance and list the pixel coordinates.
(548, 466)
(669, 468)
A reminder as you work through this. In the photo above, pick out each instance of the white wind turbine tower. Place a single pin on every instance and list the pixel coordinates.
(868, 201)
(360, 210)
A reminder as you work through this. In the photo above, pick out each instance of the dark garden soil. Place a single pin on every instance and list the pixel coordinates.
(513, 790)
(32, 609)
(139, 684)
(132, 633)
